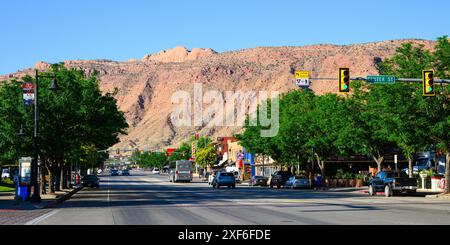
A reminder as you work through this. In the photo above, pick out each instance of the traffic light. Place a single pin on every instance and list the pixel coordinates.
(428, 83)
(118, 152)
(344, 80)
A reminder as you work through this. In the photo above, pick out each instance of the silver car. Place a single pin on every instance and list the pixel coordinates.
(298, 182)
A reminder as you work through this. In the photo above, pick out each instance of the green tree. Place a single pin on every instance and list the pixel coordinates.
(78, 115)
(206, 156)
(408, 61)
(252, 140)
(407, 112)
(183, 152)
(333, 130)
(295, 109)
(441, 57)
(439, 108)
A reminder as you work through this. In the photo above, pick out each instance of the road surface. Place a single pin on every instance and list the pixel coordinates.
(147, 199)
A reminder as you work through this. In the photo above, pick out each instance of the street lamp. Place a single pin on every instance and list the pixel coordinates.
(36, 197)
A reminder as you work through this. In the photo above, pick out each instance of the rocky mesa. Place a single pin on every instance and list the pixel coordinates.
(145, 86)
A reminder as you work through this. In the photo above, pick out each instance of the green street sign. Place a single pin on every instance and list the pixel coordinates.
(381, 79)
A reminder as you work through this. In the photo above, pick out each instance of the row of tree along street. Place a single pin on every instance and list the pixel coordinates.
(372, 120)
(205, 155)
(75, 124)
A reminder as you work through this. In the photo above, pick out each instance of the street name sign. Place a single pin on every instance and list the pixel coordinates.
(384, 79)
(302, 78)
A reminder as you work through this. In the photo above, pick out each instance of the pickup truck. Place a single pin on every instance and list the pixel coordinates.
(279, 179)
(391, 185)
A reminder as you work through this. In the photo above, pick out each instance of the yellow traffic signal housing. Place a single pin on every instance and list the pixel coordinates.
(428, 83)
(344, 80)
(118, 151)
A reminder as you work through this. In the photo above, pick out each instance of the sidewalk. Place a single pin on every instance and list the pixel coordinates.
(439, 196)
(7, 201)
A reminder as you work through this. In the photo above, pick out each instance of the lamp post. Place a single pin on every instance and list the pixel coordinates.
(36, 197)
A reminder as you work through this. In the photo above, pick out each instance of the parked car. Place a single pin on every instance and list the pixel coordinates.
(125, 172)
(298, 182)
(156, 171)
(5, 173)
(91, 181)
(114, 172)
(279, 179)
(259, 180)
(391, 185)
(224, 179)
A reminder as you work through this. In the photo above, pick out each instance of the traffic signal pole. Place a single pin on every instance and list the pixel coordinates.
(411, 80)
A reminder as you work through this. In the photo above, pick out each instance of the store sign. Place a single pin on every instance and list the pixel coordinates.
(194, 149)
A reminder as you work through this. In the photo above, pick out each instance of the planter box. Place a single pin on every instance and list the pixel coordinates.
(327, 183)
(352, 183)
(334, 183)
(359, 183)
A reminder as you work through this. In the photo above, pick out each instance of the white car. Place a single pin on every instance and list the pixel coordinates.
(5, 173)
(155, 171)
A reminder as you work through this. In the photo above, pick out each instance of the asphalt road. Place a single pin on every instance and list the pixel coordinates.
(144, 198)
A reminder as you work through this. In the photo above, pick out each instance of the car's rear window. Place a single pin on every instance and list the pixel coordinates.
(184, 167)
(228, 174)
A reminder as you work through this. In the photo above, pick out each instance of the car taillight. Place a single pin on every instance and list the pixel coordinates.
(176, 172)
(191, 172)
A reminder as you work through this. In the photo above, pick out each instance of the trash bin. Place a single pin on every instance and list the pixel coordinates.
(22, 192)
(319, 181)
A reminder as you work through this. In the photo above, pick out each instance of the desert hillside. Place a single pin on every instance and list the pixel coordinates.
(146, 85)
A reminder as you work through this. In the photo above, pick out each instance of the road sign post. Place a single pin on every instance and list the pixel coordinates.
(396, 162)
(302, 79)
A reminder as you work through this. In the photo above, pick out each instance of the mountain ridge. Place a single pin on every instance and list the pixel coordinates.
(145, 86)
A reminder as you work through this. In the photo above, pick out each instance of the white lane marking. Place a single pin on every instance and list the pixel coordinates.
(41, 218)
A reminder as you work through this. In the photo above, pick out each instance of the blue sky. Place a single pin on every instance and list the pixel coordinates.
(55, 30)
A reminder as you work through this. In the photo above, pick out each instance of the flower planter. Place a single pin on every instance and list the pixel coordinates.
(334, 183)
(352, 183)
(359, 183)
(327, 183)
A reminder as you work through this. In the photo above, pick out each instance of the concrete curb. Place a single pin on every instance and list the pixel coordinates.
(63, 198)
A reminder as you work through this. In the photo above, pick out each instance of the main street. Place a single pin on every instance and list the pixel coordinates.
(144, 198)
